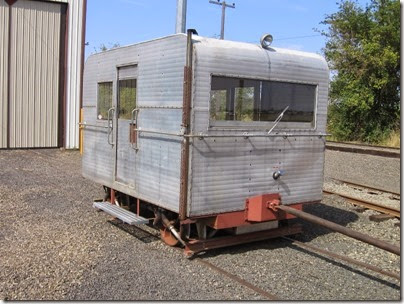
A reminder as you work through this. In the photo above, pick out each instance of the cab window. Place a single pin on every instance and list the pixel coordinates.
(248, 100)
(104, 99)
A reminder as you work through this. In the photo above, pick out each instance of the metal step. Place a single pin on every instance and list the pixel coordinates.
(124, 215)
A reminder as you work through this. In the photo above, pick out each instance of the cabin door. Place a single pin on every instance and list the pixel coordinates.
(125, 128)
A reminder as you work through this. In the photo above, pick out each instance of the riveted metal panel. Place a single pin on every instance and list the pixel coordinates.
(159, 98)
(226, 171)
(223, 171)
(4, 21)
(34, 74)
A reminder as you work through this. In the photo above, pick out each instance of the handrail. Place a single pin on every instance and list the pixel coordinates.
(202, 135)
(133, 119)
(110, 125)
(84, 124)
(245, 134)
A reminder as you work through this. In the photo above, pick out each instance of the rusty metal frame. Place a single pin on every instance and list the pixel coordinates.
(112, 196)
(195, 246)
(186, 118)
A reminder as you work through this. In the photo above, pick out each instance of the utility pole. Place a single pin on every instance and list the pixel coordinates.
(224, 5)
(181, 18)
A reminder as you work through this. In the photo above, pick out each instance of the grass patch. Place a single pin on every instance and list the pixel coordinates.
(393, 140)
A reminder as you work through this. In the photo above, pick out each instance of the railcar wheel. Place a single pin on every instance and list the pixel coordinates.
(168, 238)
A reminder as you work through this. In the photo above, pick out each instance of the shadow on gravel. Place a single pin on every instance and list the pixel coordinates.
(336, 215)
(142, 235)
(339, 264)
(310, 231)
(270, 244)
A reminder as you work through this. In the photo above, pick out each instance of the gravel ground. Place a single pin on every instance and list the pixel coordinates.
(54, 246)
(374, 171)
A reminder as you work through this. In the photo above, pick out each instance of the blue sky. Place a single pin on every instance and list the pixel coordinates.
(291, 22)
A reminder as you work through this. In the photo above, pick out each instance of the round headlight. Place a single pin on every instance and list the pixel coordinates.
(266, 40)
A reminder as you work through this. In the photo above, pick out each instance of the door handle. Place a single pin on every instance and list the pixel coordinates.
(110, 122)
(134, 116)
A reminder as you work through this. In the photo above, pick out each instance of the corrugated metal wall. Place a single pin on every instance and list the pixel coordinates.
(226, 171)
(73, 73)
(3, 71)
(159, 99)
(34, 74)
(33, 25)
(73, 70)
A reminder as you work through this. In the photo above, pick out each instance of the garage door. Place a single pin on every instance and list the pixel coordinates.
(34, 60)
(3, 71)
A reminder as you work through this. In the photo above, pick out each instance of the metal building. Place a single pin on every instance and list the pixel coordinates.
(41, 59)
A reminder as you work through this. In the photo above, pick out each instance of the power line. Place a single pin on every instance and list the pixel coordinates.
(298, 37)
(289, 38)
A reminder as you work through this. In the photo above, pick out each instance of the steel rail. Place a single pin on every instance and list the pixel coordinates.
(366, 187)
(393, 153)
(231, 276)
(369, 205)
(239, 280)
(344, 258)
(362, 145)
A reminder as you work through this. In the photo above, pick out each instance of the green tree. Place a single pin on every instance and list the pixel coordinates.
(363, 52)
(102, 47)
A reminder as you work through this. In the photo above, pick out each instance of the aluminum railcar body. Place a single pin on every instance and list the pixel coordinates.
(211, 145)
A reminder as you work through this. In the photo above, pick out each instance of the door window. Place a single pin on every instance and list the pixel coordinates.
(127, 98)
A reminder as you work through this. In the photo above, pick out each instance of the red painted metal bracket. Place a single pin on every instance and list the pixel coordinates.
(258, 209)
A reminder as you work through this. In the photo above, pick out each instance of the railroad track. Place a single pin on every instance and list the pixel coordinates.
(364, 149)
(204, 262)
(362, 145)
(292, 243)
(243, 282)
(367, 204)
(366, 187)
(343, 258)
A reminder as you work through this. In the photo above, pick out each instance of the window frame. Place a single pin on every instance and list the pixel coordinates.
(112, 98)
(262, 125)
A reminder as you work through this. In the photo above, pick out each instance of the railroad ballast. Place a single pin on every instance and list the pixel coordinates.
(203, 137)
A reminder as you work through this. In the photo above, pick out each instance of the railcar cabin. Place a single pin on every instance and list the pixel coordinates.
(203, 138)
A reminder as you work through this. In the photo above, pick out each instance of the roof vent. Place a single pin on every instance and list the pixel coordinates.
(266, 40)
